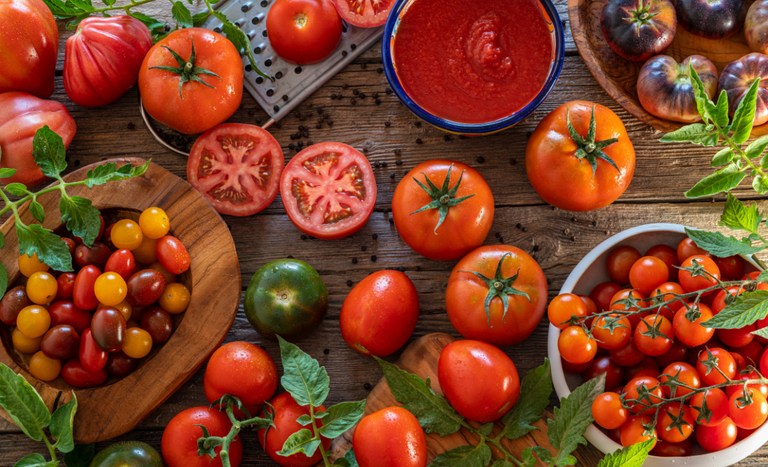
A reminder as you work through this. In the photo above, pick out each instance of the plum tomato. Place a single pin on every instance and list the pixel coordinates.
(749, 409)
(718, 437)
(98, 255)
(42, 288)
(43, 367)
(497, 294)
(110, 288)
(620, 261)
(756, 26)
(675, 423)
(146, 253)
(60, 342)
(612, 331)
(179, 442)
(633, 431)
(83, 293)
(24, 344)
(647, 273)
(478, 380)
(380, 313)
(691, 283)
(286, 297)
(603, 293)
(711, 20)
(108, 328)
(608, 411)
(119, 364)
(715, 365)
(304, 31)
(145, 287)
(687, 248)
(563, 308)
(667, 254)
(687, 325)
(286, 411)
(121, 262)
(128, 454)
(665, 449)
(614, 374)
(628, 355)
(731, 268)
(172, 254)
(717, 405)
(391, 437)
(154, 223)
(328, 190)
(175, 298)
(66, 285)
(138, 343)
(576, 346)
(683, 373)
(33, 321)
(76, 376)
(435, 222)
(126, 234)
(65, 312)
(29, 265)
(243, 370)
(12, 303)
(638, 29)
(739, 75)
(632, 390)
(665, 90)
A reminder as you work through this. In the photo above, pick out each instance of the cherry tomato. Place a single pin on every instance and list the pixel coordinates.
(76, 376)
(692, 284)
(646, 367)
(751, 353)
(146, 253)
(145, 287)
(30, 265)
(126, 234)
(12, 303)
(614, 374)
(717, 438)
(619, 263)
(685, 374)
(729, 294)
(92, 358)
(24, 344)
(675, 423)
(647, 273)
(365, 14)
(737, 338)
(154, 223)
(66, 285)
(43, 367)
(665, 292)
(172, 254)
(303, 31)
(615, 338)
(124, 308)
(631, 391)
(624, 294)
(286, 412)
(179, 442)
(722, 360)
(717, 403)
(391, 437)
(121, 262)
(632, 431)
(732, 267)
(138, 343)
(70, 244)
(654, 335)
(628, 355)
(60, 342)
(603, 293)
(42, 287)
(575, 369)
(665, 449)
(158, 323)
(175, 298)
(575, 346)
(677, 353)
(110, 288)
(107, 237)
(33, 321)
(65, 312)
(83, 293)
(687, 248)
(667, 254)
(608, 411)
(108, 328)
(692, 333)
(748, 414)
(169, 278)
(591, 306)
(564, 307)
(120, 365)
(97, 255)
(743, 375)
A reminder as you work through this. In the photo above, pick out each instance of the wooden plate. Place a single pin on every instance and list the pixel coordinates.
(619, 76)
(213, 277)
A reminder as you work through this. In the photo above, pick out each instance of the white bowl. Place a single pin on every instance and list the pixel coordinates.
(585, 276)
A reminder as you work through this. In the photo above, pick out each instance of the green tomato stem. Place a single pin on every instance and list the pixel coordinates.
(497, 443)
(51, 448)
(737, 150)
(315, 431)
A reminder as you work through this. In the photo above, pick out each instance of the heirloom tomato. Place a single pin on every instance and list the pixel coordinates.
(179, 443)
(176, 98)
(12, 303)
(43, 367)
(585, 173)
(756, 27)
(60, 342)
(496, 294)
(736, 79)
(443, 209)
(145, 287)
(638, 29)
(391, 437)
(364, 13)
(103, 58)
(128, 454)
(303, 31)
(158, 323)
(65, 312)
(328, 190)
(66, 285)
(120, 365)
(108, 328)
(76, 376)
(236, 168)
(711, 20)
(97, 254)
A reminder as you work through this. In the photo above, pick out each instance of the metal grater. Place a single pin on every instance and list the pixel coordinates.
(292, 83)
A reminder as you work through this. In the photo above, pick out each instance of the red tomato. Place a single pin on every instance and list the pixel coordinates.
(66, 284)
(21, 115)
(624, 294)
(92, 358)
(179, 443)
(737, 338)
(198, 107)
(236, 168)
(692, 333)
(732, 267)
(83, 293)
(172, 255)
(668, 429)
(646, 367)
(627, 355)
(647, 273)
(751, 353)
(717, 403)
(391, 437)
(243, 370)
(614, 374)
(668, 290)
(654, 335)
(619, 263)
(380, 313)
(685, 374)
(631, 391)
(65, 312)
(693, 284)
(615, 338)
(603, 293)
(667, 254)
(761, 388)
(103, 58)
(303, 31)
(687, 248)
(328, 190)
(29, 45)
(479, 380)
(677, 353)
(576, 346)
(364, 13)
(724, 362)
(632, 431)
(97, 255)
(121, 262)
(575, 369)
(467, 293)
(564, 307)
(608, 411)
(76, 376)
(717, 438)
(665, 449)
(719, 304)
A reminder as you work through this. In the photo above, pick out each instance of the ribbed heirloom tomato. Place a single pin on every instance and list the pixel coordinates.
(391, 437)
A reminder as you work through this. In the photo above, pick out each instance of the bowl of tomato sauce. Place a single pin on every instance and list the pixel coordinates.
(473, 66)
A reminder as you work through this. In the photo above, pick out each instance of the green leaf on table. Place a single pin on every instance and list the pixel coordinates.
(720, 245)
(744, 116)
(464, 456)
(745, 310)
(50, 248)
(181, 14)
(5, 173)
(630, 456)
(37, 210)
(566, 429)
(153, 24)
(81, 456)
(723, 180)
(23, 404)
(348, 460)
(535, 390)
(738, 216)
(486, 429)
(301, 441)
(506, 463)
(3, 279)
(239, 38)
(62, 10)
(34, 460)
(697, 133)
(111, 173)
(81, 217)
(341, 417)
(542, 453)
(49, 152)
(434, 413)
(62, 422)
(16, 189)
(303, 376)
(200, 18)
(723, 157)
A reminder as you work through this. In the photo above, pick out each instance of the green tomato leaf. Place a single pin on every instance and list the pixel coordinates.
(760, 184)
(434, 413)
(696, 133)
(737, 216)
(5, 173)
(34, 460)
(630, 456)
(505, 463)
(744, 116)
(153, 24)
(62, 422)
(348, 460)
(50, 248)
(757, 147)
(703, 103)
(23, 404)
(723, 180)
(745, 310)
(200, 18)
(464, 456)
(301, 441)
(723, 157)
(3, 279)
(239, 38)
(341, 417)
(109, 2)
(37, 210)
(16, 189)
(486, 429)
(81, 456)
(111, 173)
(81, 217)
(49, 152)
(181, 14)
(535, 390)
(762, 332)
(542, 453)
(62, 10)
(303, 376)
(720, 245)
(304, 420)
(720, 111)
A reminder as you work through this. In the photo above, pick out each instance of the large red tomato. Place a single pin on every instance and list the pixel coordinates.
(192, 107)
(422, 199)
(237, 168)
(391, 437)
(303, 31)
(21, 115)
(577, 175)
(380, 313)
(103, 58)
(179, 443)
(364, 13)
(497, 272)
(328, 190)
(29, 44)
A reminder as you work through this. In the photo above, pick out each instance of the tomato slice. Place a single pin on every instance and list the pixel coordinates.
(364, 13)
(328, 190)
(237, 168)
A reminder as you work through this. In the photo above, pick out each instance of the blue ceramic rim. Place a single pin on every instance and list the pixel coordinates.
(466, 128)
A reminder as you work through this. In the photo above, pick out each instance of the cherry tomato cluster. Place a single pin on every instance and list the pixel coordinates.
(102, 319)
(668, 377)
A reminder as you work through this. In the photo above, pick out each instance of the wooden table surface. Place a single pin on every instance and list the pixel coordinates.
(387, 133)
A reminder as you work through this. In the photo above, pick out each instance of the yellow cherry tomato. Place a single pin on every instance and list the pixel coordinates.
(44, 368)
(138, 343)
(125, 309)
(29, 266)
(154, 223)
(145, 253)
(126, 234)
(33, 321)
(175, 298)
(169, 278)
(42, 287)
(110, 288)
(25, 344)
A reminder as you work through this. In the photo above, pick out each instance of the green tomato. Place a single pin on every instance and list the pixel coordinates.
(128, 454)
(286, 297)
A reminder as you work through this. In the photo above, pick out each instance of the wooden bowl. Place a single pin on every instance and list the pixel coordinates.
(618, 76)
(214, 279)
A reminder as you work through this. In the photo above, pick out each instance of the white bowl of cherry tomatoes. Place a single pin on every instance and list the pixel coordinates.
(645, 349)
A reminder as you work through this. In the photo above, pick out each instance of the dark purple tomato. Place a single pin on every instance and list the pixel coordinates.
(665, 90)
(107, 237)
(79, 240)
(92, 358)
(614, 374)
(97, 255)
(66, 285)
(82, 293)
(65, 312)
(76, 376)
(60, 342)
(71, 244)
(638, 29)
(711, 19)
(108, 328)
(739, 75)
(145, 287)
(121, 262)
(158, 323)
(12, 303)
(120, 365)
(756, 27)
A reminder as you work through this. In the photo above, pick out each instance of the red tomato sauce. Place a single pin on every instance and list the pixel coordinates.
(473, 61)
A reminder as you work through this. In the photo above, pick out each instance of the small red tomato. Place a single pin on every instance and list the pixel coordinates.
(121, 262)
(145, 287)
(120, 365)
(692, 333)
(614, 374)
(647, 273)
(172, 254)
(60, 342)
(12, 303)
(717, 438)
(83, 292)
(749, 410)
(179, 443)
(633, 431)
(731, 268)
(97, 255)
(391, 437)
(685, 374)
(668, 429)
(717, 403)
(620, 261)
(628, 355)
(108, 328)
(707, 278)
(286, 412)
(667, 254)
(603, 293)
(654, 335)
(65, 312)
(721, 366)
(632, 392)
(66, 285)
(687, 248)
(76, 376)
(157, 322)
(576, 346)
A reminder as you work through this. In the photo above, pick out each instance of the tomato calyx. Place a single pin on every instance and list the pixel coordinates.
(186, 69)
(499, 287)
(588, 148)
(745, 399)
(677, 421)
(207, 443)
(641, 16)
(443, 199)
(654, 330)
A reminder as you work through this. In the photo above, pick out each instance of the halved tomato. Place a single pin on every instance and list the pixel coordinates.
(328, 190)
(364, 13)
(236, 167)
